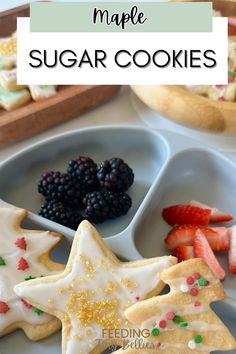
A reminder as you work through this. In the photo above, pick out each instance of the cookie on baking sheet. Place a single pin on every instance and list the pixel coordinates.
(24, 255)
(40, 92)
(181, 321)
(10, 99)
(91, 295)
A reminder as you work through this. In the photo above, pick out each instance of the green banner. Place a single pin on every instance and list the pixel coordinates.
(121, 17)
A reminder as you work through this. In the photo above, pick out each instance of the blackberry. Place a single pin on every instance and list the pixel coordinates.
(104, 205)
(58, 212)
(115, 175)
(60, 186)
(84, 169)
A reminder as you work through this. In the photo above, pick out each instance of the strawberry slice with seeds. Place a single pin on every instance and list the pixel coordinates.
(217, 237)
(183, 253)
(203, 250)
(216, 214)
(232, 250)
(186, 214)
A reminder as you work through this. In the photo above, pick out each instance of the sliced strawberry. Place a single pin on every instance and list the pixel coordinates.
(186, 214)
(218, 237)
(216, 214)
(180, 235)
(183, 253)
(203, 250)
(232, 250)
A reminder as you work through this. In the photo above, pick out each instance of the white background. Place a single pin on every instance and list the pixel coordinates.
(111, 43)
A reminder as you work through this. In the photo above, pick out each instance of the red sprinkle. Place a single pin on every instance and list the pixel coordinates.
(21, 243)
(194, 292)
(162, 324)
(170, 315)
(158, 344)
(22, 264)
(197, 303)
(221, 98)
(190, 280)
(26, 304)
(196, 275)
(4, 307)
(137, 298)
(207, 283)
(230, 79)
(235, 69)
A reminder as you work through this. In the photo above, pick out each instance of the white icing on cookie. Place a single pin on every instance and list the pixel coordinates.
(37, 243)
(95, 285)
(9, 76)
(39, 92)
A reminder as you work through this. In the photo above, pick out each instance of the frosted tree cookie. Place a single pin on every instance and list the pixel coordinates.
(24, 255)
(91, 295)
(181, 321)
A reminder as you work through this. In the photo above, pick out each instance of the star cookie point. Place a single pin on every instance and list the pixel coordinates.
(90, 296)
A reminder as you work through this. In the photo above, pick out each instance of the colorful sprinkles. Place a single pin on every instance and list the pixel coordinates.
(21, 243)
(2, 262)
(22, 264)
(4, 308)
(193, 284)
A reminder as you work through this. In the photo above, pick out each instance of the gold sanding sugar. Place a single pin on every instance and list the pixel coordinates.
(88, 264)
(8, 47)
(110, 287)
(128, 283)
(103, 311)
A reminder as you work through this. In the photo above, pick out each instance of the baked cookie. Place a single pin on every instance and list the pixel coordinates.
(24, 254)
(8, 80)
(7, 52)
(10, 99)
(91, 295)
(181, 321)
(40, 92)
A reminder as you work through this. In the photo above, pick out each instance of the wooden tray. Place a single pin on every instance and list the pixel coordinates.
(69, 102)
(190, 109)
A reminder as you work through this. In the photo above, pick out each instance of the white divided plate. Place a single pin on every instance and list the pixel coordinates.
(169, 169)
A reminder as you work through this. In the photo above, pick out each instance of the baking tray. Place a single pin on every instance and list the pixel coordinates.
(169, 168)
(69, 101)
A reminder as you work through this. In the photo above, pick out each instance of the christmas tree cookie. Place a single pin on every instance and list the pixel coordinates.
(91, 295)
(24, 255)
(182, 321)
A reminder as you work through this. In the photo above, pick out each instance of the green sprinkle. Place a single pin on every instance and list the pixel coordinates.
(202, 282)
(177, 319)
(29, 278)
(198, 339)
(183, 324)
(231, 73)
(155, 332)
(2, 262)
(38, 311)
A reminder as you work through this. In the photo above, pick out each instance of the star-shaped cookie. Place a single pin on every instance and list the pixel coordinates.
(181, 321)
(24, 254)
(91, 295)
